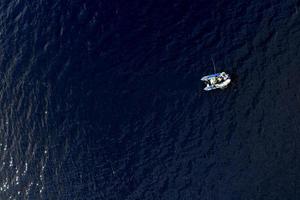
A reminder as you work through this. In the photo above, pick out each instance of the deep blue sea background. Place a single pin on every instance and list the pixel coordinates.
(103, 100)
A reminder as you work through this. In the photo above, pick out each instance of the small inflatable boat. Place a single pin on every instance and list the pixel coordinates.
(216, 81)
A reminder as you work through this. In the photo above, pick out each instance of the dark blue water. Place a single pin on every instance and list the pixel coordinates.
(103, 100)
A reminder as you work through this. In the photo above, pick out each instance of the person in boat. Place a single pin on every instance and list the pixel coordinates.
(224, 76)
(217, 80)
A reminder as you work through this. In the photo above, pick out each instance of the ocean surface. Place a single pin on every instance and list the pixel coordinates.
(103, 100)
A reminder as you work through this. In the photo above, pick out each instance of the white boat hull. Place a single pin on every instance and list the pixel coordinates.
(222, 85)
(212, 83)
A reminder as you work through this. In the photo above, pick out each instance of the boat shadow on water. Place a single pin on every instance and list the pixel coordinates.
(234, 81)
